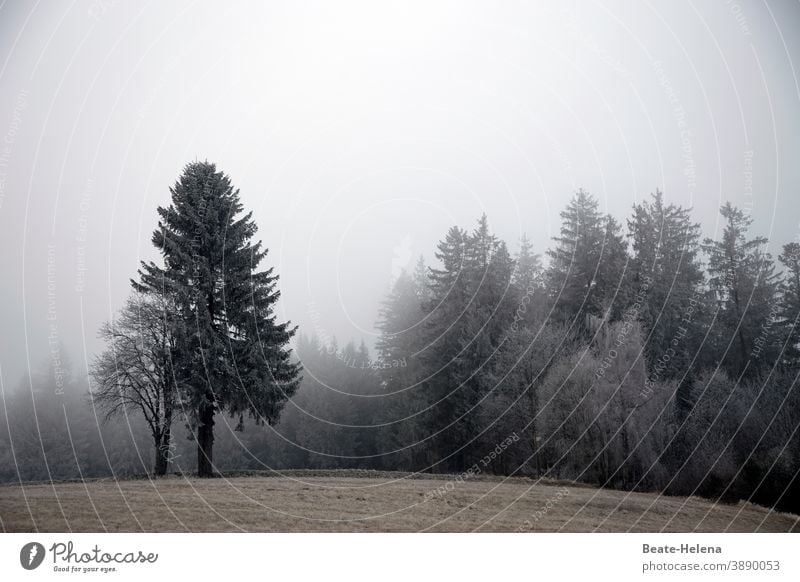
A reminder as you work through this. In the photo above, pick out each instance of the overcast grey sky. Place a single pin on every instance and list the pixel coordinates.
(359, 132)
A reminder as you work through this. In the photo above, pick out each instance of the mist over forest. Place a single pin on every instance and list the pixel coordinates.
(430, 265)
(632, 353)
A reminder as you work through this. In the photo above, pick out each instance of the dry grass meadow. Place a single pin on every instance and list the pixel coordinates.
(344, 502)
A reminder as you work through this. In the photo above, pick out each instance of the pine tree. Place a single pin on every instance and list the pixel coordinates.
(587, 264)
(667, 288)
(527, 266)
(527, 287)
(745, 286)
(488, 322)
(401, 348)
(468, 316)
(400, 321)
(611, 290)
(421, 280)
(488, 269)
(232, 351)
(790, 301)
(448, 298)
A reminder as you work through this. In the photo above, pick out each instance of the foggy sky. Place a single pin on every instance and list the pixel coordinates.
(359, 132)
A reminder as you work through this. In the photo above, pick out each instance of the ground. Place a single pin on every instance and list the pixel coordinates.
(364, 502)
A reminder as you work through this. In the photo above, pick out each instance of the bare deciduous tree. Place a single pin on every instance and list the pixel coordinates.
(135, 370)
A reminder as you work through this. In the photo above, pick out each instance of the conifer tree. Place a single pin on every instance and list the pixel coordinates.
(448, 297)
(745, 285)
(400, 321)
(790, 301)
(403, 363)
(420, 277)
(587, 263)
(527, 266)
(469, 314)
(232, 352)
(443, 331)
(667, 288)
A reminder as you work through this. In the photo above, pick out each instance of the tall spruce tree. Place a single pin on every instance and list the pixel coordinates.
(667, 288)
(421, 281)
(443, 330)
(400, 321)
(745, 286)
(400, 347)
(587, 264)
(468, 315)
(487, 324)
(232, 354)
(488, 270)
(527, 267)
(790, 301)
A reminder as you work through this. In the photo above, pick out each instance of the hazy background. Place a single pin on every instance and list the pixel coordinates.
(359, 132)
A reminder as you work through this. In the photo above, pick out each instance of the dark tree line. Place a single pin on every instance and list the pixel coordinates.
(643, 358)
(649, 359)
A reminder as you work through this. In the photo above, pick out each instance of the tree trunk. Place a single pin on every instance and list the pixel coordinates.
(205, 440)
(162, 457)
(534, 425)
(626, 466)
(164, 443)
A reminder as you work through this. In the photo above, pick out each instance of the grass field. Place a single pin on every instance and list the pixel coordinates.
(334, 501)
